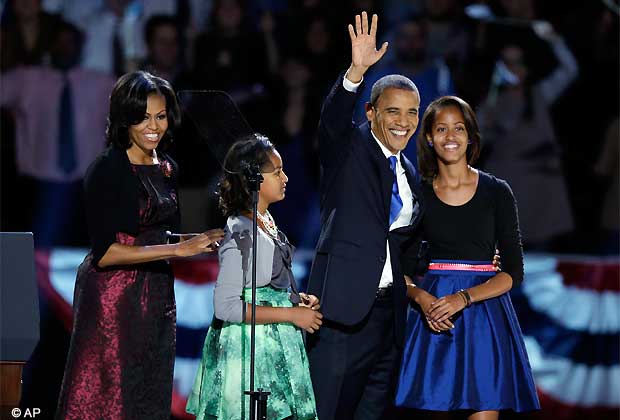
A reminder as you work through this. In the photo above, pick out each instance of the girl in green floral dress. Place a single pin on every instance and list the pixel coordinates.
(281, 365)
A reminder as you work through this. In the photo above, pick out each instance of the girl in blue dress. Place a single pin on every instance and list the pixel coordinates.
(464, 348)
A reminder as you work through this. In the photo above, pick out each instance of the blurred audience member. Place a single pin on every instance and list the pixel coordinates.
(319, 47)
(113, 36)
(230, 55)
(608, 168)
(294, 133)
(521, 144)
(164, 56)
(60, 118)
(446, 37)
(27, 39)
(123, 24)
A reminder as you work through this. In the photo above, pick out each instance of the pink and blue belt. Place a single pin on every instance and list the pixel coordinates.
(457, 266)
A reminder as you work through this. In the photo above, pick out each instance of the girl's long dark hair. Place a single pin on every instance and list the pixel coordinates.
(251, 151)
(427, 158)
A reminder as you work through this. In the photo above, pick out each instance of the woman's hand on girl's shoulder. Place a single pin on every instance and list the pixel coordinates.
(205, 242)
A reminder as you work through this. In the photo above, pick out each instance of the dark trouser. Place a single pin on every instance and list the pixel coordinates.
(353, 368)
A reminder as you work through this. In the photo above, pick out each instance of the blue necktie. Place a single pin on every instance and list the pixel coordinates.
(396, 203)
(66, 134)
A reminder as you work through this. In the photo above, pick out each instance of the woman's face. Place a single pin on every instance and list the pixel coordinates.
(147, 134)
(449, 135)
(273, 187)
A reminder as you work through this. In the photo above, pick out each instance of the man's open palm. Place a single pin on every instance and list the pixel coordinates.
(364, 42)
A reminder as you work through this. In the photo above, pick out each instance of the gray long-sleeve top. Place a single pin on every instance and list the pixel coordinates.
(235, 258)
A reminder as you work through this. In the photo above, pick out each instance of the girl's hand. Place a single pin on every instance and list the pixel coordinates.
(426, 300)
(442, 309)
(205, 242)
(309, 301)
(306, 318)
(439, 327)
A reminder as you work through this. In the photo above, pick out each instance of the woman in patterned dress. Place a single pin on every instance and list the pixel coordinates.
(121, 357)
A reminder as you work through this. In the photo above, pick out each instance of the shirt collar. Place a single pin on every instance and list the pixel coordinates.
(385, 150)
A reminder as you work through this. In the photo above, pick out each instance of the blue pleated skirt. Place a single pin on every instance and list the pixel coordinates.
(481, 364)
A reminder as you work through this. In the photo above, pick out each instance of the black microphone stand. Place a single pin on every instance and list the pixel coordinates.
(258, 398)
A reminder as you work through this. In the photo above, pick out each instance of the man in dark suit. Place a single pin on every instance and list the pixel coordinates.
(370, 205)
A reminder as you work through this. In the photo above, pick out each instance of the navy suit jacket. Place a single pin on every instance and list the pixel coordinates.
(356, 186)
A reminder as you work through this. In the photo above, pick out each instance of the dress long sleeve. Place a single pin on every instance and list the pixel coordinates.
(508, 233)
(102, 208)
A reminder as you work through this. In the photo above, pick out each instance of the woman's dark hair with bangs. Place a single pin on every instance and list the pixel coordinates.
(128, 106)
(251, 151)
(427, 158)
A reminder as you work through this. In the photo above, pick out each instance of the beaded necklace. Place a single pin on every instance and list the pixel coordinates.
(269, 226)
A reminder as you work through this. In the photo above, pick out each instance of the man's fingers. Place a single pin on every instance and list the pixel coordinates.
(358, 25)
(383, 49)
(351, 32)
(373, 26)
(365, 23)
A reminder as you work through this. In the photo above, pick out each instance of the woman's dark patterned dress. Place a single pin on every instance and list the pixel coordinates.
(121, 359)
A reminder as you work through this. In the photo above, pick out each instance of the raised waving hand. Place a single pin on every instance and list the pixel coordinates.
(364, 51)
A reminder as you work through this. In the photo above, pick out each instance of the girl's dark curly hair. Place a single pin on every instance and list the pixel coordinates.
(128, 106)
(427, 158)
(253, 151)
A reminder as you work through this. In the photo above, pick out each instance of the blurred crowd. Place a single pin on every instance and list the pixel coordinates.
(542, 75)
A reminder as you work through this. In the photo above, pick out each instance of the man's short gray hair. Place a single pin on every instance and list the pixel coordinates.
(395, 81)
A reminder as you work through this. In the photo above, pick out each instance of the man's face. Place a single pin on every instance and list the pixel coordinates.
(394, 118)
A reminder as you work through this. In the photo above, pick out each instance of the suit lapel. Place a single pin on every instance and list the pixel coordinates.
(418, 199)
(386, 176)
(412, 175)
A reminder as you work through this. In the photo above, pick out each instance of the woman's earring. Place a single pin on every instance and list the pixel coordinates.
(468, 141)
(430, 144)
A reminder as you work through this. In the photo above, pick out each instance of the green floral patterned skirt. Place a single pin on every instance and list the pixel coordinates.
(281, 367)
